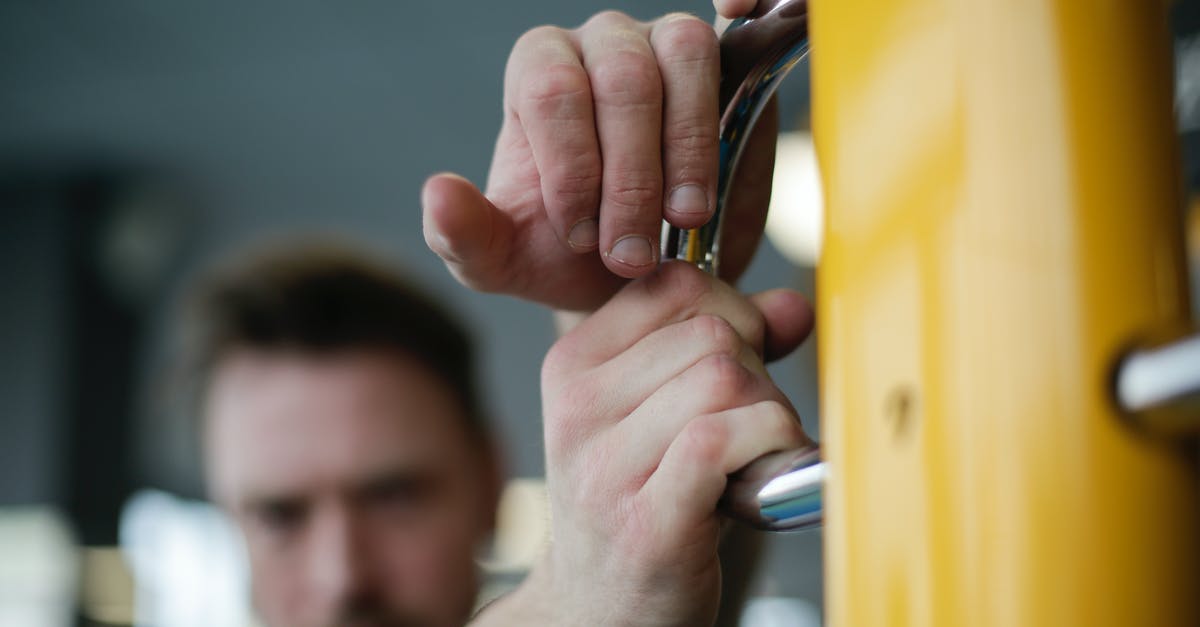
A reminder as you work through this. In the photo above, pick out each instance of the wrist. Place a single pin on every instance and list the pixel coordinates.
(531, 603)
(545, 598)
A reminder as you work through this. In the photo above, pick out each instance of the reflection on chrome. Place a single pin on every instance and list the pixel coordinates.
(1159, 387)
(779, 492)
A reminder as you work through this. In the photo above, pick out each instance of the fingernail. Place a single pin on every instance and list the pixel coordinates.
(633, 250)
(585, 235)
(688, 199)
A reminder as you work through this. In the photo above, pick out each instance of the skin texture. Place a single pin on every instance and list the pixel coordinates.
(608, 129)
(637, 464)
(361, 494)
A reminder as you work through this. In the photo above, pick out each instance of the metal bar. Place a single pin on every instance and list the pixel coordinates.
(1159, 387)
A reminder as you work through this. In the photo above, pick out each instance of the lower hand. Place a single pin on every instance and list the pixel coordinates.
(649, 404)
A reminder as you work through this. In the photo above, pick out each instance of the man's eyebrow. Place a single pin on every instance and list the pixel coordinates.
(265, 500)
(398, 478)
(386, 479)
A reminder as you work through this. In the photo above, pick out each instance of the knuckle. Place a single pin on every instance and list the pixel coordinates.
(781, 423)
(690, 150)
(716, 334)
(556, 91)
(581, 394)
(681, 279)
(559, 361)
(607, 19)
(678, 286)
(566, 418)
(693, 135)
(725, 378)
(632, 192)
(529, 40)
(627, 78)
(583, 173)
(686, 38)
(536, 35)
(706, 438)
(558, 438)
(552, 363)
(576, 189)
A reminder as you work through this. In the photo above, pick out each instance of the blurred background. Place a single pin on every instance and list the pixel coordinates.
(140, 141)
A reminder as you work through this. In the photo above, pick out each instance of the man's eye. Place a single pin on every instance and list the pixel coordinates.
(280, 517)
(399, 493)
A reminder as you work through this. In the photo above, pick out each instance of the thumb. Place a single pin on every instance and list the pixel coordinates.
(467, 231)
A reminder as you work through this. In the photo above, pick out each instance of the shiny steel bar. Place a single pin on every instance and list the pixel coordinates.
(779, 492)
(782, 491)
(1159, 387)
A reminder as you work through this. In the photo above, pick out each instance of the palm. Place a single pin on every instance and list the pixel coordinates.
(538, 266)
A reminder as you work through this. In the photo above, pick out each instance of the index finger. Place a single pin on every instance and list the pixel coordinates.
(676, 291)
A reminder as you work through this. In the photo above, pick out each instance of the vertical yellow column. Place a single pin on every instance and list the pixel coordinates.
(1003, 218)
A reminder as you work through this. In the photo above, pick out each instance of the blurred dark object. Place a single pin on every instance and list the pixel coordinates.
(90, 247)
(1185, 22)
(90, 250)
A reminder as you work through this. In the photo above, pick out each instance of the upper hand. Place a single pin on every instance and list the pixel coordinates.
(608, 130)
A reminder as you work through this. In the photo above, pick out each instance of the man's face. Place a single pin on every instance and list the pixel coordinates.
(352, 475)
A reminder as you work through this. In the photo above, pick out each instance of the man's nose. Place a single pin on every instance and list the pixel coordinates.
(339, 563)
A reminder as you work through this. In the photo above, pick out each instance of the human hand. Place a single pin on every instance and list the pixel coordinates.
(649, 405)
(608, 129)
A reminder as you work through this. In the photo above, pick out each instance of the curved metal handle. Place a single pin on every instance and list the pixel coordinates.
(781, 491)
(1158, 387)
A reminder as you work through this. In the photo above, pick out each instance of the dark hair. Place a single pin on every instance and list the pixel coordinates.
(321, 298)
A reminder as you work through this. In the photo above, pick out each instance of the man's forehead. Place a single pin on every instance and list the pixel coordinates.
(282, 421)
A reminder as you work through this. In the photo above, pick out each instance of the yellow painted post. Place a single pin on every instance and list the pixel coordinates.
(1003, 218)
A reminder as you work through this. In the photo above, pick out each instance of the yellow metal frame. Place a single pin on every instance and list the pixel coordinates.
(1003, 218)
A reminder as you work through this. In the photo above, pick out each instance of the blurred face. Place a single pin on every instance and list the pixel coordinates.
(360, 493)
